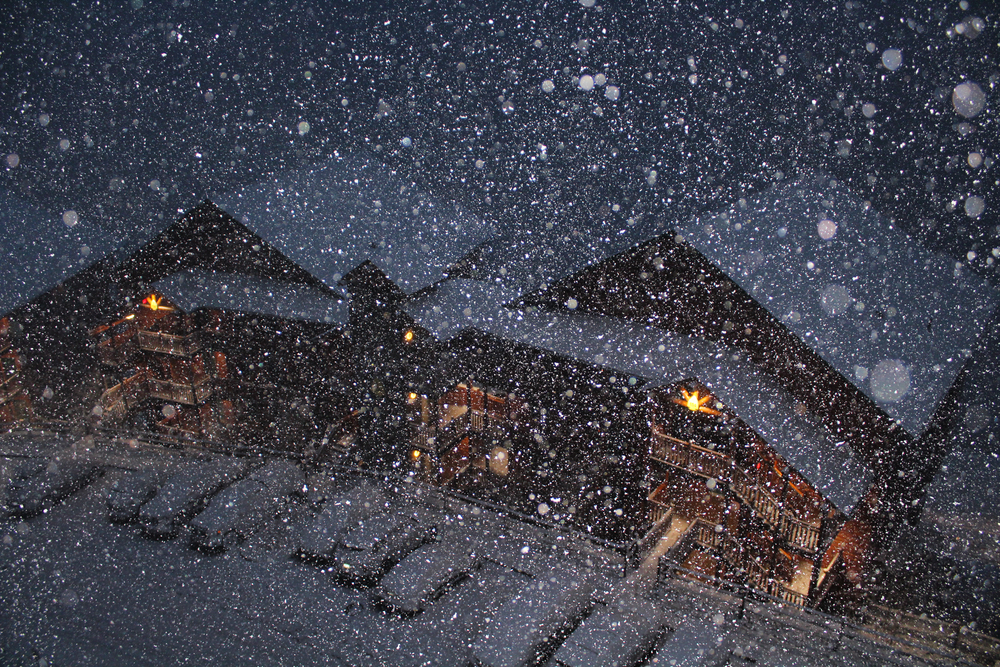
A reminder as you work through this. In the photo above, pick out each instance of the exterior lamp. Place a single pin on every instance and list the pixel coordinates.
(408, 336)
(695, 403)
(415, 454)
(154, 303)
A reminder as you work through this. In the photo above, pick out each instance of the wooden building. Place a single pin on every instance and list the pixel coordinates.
(15, 404)
(231, 358)
(784, 412)
(542, 433)
(607, 426)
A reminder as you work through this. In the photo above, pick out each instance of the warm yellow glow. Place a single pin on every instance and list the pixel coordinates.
(415, 454)
(695, 403)
(130, 317)
(408, 336)
(154, 303)
(413, 396)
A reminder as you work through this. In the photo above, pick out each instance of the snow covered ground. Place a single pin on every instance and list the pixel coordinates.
(80, 590)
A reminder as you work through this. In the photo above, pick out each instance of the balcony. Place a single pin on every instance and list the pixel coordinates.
(191, 393)
(800, 533)
(704, 536)
(712, 464)
(689, 456)
(178, 346)
(9, 388)
(440, 439)
(119, 400)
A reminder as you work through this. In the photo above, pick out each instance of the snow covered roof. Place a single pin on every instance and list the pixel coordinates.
(194, 289)
(532, 262)
(332, 217)
(894, 319)
(660, 358)
(38, 250)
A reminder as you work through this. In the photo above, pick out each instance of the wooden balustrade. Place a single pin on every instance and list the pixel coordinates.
(780, 591)
(188, 393)
(181, 346)
(712, 464)
(658, 511)
(425, 437)
(689, 456)
(117, 401)
(799, 533)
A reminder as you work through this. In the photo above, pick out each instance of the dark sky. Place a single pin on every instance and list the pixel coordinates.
(124, 111)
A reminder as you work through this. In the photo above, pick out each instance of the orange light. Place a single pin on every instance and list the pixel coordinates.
(413, 396)
(415, 454)
(695, 403)
(154, 303)
(130, 317)
(408, 336)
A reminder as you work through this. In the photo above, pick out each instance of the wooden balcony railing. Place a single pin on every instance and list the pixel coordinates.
(800, 533)
(757, 496)
(658, 511)
(10, 388)
(425, 437)
(689, 456)
(120, 399)
(780, 591)
(440, 439)
(181, 346)
(187, 393)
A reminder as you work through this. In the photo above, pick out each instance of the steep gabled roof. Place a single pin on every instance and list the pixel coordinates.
(532, 262)
(38, 250)
(894, 319)
(209, 239)
(658, 358)
(332, 217)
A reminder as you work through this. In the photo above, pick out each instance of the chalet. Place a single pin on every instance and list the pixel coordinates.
(228, 357)
(250, 330)
(784, 390)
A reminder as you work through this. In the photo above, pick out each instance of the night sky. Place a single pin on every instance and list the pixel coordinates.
(128, 111)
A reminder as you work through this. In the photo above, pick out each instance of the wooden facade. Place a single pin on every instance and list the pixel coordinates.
(728, 505)
(223, 376)
(540, 433)
(15, 404)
